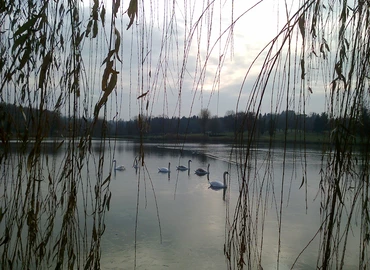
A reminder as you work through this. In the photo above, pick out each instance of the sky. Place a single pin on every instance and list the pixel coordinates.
(175, 57)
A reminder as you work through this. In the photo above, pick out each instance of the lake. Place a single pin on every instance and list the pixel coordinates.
(181, 221)
(175, 221)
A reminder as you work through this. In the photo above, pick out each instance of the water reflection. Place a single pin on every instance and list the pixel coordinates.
(223, 190)
(201, 171)
(192, 215)
(184, 168)
(192, 220)
(178, 221)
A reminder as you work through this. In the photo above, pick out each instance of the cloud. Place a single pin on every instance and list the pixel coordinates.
(179, 63)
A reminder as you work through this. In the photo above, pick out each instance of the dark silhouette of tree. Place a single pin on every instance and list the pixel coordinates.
(204, 117)
(321, 123)
(215, 125)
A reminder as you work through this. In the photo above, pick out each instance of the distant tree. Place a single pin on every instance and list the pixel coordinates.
(214, 125)
(271, 124)
(121, 128)
(363, 124)
(262, 124)
(229, 121)
(310, 121)
(251, 122)
(204, 117)
(321, 123)
(239, 121)
(230, 113)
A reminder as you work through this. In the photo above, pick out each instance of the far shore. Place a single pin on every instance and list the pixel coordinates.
(278, 139)
(297, 138)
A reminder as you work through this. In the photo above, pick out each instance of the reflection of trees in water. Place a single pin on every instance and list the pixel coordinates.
(52, 211)
(51, 207)
(50, 65)
(347, 94)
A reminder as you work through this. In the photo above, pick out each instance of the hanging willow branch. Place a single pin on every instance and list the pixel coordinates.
(342, 65)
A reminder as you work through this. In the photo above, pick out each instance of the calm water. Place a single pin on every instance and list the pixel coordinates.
(181, 222)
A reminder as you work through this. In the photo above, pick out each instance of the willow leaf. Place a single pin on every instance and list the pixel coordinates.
(107, 71)
(110, 54)
(303, 69)
(132, 12)
(301, 24)
(88, 28)
(143, 95)
(19, 41)
(95, 9)
(30, 159)
(95, 29)
(117, 43)
(26, 26)
(112, 83)
(44, 68)
(116, 5)
(102, 15)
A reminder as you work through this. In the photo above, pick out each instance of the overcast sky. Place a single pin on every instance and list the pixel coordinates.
(181, 84)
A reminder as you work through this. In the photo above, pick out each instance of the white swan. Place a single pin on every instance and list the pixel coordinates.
(218, 184)
(164, 169)
(184, 168)
(201, 171)
(118, 168)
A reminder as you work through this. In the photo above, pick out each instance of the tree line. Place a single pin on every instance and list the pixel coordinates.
(240, 122)
(14, 121)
